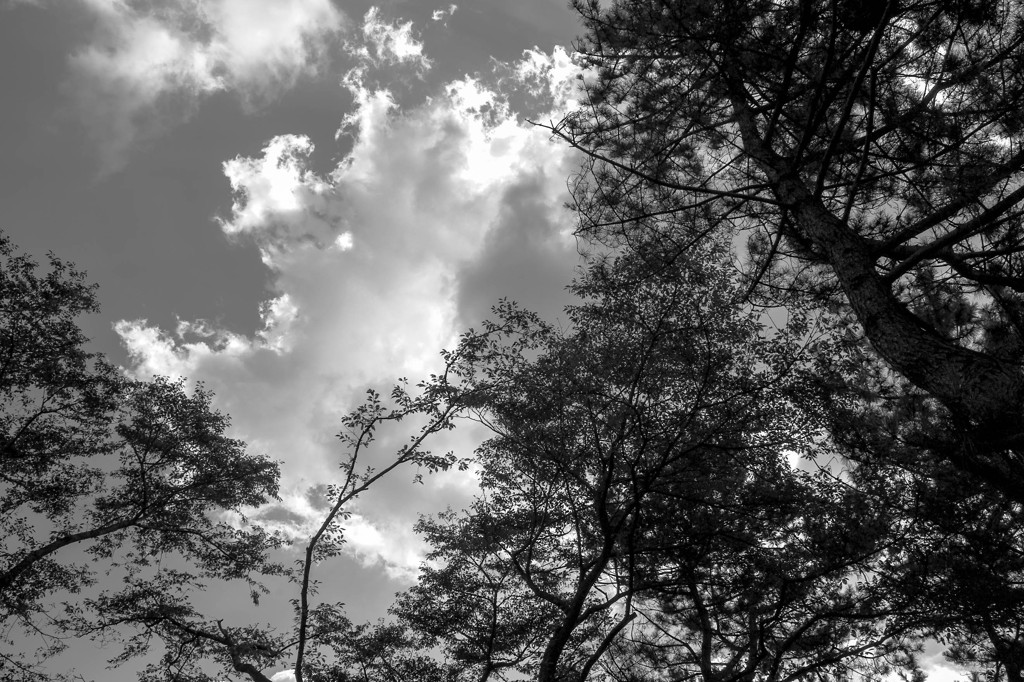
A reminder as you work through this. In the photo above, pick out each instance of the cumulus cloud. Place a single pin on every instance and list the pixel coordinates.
(279, 202)
(443, 14)
(390, 544)
(553, 77)
(148, 64)
(389, 43)
(436, 212)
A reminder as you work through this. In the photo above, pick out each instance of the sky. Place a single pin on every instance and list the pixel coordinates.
(292, 201)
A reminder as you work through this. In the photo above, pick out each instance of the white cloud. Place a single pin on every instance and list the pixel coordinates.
(278, 201)
(938, 672)
(443, 14)
(435, 213)
(550, 77)
(343, 242)
(938, 668)
(390, 43)
(391, 545)
(267, 44)
(149, 64)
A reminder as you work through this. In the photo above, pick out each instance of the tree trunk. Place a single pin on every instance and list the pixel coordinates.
(984, 395)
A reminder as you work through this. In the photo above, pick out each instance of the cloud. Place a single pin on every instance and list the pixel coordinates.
(435, 213)
(394, 546)
(147, 65)
(279, 202)
(443, 14)
(388, 43)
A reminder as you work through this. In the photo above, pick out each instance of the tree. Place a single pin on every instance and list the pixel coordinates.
(322, 643)
(638, 518)
(126, 471)
(870, 152)
(961, 574)
(138, 476)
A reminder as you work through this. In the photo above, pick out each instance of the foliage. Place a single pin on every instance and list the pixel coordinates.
(139, 476)
(865, 158)
(814, 208)
(868, 153)
(638, 518)
(126, 471)
(322, 643)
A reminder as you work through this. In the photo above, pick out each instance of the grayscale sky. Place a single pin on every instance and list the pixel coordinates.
(293, 200)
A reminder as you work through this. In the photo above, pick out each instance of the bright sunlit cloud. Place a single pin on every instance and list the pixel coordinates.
(443, 14)
(387, 42)
(148, 65)
(435, 213)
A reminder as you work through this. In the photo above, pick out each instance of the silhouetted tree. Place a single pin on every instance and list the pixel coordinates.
(139, 474)
(321, 643)
(125, 471)
(871, 154)
(638, 517)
